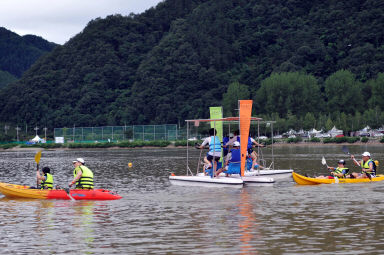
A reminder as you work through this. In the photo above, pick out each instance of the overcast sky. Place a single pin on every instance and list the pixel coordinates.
(59, 20)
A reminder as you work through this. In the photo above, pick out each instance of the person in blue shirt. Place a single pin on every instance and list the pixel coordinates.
(250, 144)
(214, 153)
(232, 162)
(225, 141)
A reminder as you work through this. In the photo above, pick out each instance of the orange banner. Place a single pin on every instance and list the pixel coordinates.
(245, 112)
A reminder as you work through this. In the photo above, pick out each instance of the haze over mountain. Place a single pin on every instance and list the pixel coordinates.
(18, 53)
(172, 62)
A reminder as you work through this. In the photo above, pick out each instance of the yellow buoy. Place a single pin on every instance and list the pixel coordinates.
(129, 164)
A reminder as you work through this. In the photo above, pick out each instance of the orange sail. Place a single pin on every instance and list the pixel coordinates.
(245, 107)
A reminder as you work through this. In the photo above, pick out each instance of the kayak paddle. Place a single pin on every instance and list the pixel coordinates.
(69, 194)
(37, 160)
(346, 151)
(324, 162)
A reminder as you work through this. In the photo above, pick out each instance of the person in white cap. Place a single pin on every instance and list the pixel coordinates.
(225, 141)
(251, 143)
(232, 161)
(82, 175)
(368, 166)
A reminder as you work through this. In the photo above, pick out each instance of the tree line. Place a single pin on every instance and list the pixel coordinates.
(298, 60)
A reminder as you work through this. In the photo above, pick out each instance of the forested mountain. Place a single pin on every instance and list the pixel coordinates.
(6, 78)
(301, 61)
(18, 53)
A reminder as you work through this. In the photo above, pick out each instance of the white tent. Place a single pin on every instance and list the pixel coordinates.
(36, 139)
(314, 131)
(365, 130)
(334, 131)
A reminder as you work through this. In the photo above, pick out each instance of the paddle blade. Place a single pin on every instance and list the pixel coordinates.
(323, 161)
(345, 149)
(38, 157)
(69, 194)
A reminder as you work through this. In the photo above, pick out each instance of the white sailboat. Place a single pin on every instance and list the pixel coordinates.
(234, 180)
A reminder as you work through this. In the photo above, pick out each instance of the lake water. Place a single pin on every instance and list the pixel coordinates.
(156, 217)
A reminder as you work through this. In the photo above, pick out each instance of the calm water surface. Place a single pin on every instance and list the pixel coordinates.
(155, 217)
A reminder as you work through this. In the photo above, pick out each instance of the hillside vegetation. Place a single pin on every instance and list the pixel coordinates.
(315, 64)
(18, 53)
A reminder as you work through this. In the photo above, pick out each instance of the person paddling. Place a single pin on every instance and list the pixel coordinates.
(45, 180)
(83, 176)
(368, 166)
(340, 171)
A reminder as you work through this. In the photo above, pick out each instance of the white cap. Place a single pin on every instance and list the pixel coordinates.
(231, 135)
(81, 160)
(236, 144)
(366, 154)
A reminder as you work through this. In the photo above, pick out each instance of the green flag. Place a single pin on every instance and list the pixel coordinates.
(217, 113)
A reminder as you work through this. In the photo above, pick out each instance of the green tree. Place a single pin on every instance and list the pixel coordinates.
(343, 92)
(329, 124)
(377, 88)
(283, 92)
(235, 92)
(309, 121)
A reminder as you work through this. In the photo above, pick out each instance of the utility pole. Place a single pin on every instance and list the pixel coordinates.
(6, 128)
(45, 133)
(36, 128)
(17, 132)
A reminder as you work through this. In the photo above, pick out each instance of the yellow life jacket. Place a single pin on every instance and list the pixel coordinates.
(339, 170)
(48, 182)
(365, 165)
(86, 179)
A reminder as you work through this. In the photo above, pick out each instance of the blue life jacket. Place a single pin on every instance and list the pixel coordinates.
(236, 156)
(249, 145)
(225, 141)
(215, 144)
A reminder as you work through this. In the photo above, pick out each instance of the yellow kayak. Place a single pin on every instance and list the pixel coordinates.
(302, 180)
(21, 191)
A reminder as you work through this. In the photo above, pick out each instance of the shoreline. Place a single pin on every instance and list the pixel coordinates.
(172, 146)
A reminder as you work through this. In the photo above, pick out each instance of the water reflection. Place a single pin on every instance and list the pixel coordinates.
(157, 217)
(248, 225)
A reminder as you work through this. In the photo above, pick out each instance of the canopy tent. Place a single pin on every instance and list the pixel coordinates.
(334, 131)
(314, 131)
(37, 139)
(365, 130)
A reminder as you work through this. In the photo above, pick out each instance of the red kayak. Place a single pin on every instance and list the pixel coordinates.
(20, 191)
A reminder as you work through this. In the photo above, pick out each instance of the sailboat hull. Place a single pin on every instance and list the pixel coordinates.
(206, 181)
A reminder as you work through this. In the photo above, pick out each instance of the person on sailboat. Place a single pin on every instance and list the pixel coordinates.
(225, 141)
(232, 161)
(45, 180)
(250, 150)
(214, 153)
(368, 167)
